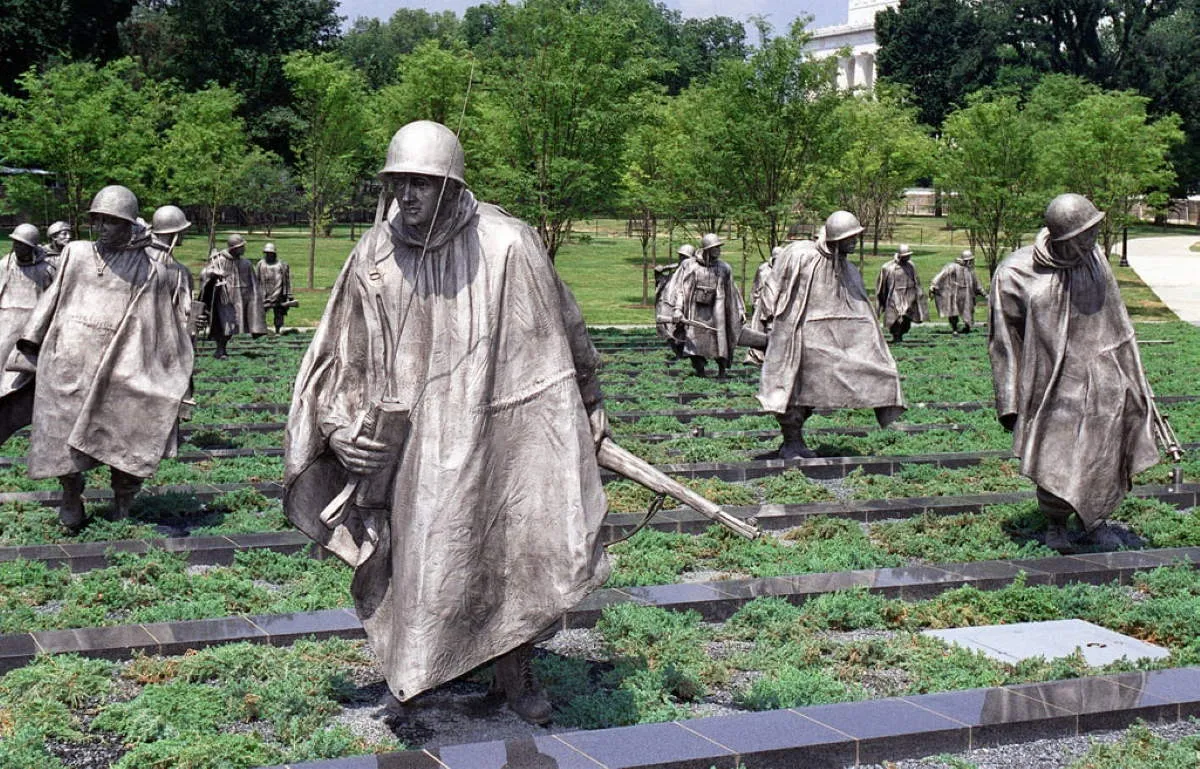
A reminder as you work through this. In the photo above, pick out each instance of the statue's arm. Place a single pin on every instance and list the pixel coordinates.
(1006, 331)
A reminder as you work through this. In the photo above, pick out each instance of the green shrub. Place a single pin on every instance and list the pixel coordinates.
(218, 751)
(794, 687)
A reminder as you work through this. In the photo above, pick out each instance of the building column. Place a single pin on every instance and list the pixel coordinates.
(865, 65)
(846, 73)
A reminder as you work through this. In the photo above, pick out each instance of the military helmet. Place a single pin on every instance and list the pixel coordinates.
(710, 241)
(966, 255)
(27, 234)
(687, 249)
(841, 225)
(116, 201)
(168, 220)
(235, 240)
(428, 148)
(269, 248)
(1070, 214)
(904, 250)
(56, 228)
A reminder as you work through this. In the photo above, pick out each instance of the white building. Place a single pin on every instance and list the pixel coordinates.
(858, 34)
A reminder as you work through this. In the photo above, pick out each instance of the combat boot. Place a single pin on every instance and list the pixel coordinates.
(70, 510)
(125, 487)
(515, 678)
(794, 446)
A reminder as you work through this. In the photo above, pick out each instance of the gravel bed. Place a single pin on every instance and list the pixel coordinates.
(1039, 754)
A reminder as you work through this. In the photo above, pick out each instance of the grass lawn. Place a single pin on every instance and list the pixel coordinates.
(603, 266)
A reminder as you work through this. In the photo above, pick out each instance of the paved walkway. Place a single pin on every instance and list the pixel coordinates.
(1172, 270)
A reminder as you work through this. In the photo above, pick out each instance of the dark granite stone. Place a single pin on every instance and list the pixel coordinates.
(1101, 702)
(114, 643)
(998, 716)
(651, 745)
(712, 604)
(892, 729)
(779, 739)
(1067, 569)
(16, 650)
(1178, 685)
(587, 612)
(284, 629)
(991, 575)
(178, 637)
(527, 753)
(913, 582)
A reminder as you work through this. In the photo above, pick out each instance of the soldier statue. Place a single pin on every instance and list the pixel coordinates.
(229, 289)
(954, 290)
(900, 294)
(24, 274)
(1068, 375)
(708, 306)
(275, 278)
(665, 325)
(167, 227)
(825, 349)
(58, 236)
(112, 363)
(753, 355)
(450, 393)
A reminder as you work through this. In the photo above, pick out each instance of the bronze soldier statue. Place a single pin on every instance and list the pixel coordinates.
(825, 349)
(757, 323)
(167, 226)
(229, 289)
(112, 363)
(900, 294)
(954, 290)
(708, 306)
(58, 236)
(24, 274)
(1068, 375)
(275, 278)
(450, 393)
(667, 328)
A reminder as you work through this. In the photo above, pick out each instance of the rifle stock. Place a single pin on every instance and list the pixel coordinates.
(612, 457)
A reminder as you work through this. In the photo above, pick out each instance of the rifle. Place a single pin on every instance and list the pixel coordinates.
(747, 337)
(1165, 436)
(612, 457)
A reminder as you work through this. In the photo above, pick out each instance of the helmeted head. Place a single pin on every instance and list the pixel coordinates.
(710, 248)
(686, 251)
(1070, 215)
(424, 161)
(269, 252)
(966, 256)
(841, 229)
(59, 233)
(904, 253)
(114, 212)
(26, 234)
(169, 220)
(235, 244)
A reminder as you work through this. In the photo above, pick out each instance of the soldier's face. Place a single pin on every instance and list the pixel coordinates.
(61, 238)
(269, 256)
(237, 251)
(845, 246)
(1086, 240)
(110, 230)
(23, 250)
(417, 195)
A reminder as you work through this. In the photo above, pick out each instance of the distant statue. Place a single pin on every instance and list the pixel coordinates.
(112, 363)
(757, 322)
(900, 294)
(167, 226)
(825, 349)
(1068, 374)
(954, 290)
(664, 323)
(708, 305)
(58, 236)
(275, 278)
(229, 289)
(24, 274)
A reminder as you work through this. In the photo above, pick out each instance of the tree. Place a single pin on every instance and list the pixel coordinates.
(329, 148)
(205, 156)
(987, 162)
(1105, 147)
(764, 124)
(375, 47)
(266, 190)
(432, 84)
(878, 150)
(89, 126)
(566, 81)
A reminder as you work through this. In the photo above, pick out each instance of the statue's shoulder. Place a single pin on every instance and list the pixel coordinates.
(1019, 262)
(498, 223)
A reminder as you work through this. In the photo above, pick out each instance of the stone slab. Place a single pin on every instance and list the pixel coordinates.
(1057, 638)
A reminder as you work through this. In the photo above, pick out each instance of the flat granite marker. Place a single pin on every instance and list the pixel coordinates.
(1058, 638)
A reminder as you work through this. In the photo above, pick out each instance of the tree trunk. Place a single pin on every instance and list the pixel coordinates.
(312, 246)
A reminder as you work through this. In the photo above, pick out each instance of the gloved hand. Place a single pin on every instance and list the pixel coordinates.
(598, 422)
(360, 455)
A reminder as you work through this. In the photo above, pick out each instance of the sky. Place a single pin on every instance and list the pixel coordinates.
(779, 13)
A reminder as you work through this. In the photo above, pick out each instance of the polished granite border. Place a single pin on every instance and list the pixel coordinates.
(831, 736)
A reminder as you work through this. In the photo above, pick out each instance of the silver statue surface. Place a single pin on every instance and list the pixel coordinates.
(900, 294)
(1068, 375)
(24, 274)
(825, 349)
(664, 323)
(757, 321)
(275, 280)
(954, 289)
(58, 235)
(450, 395)
(167, 227)
(112, 363)
(708, 306)
(229, 290)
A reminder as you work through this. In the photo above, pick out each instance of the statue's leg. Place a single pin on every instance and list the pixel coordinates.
(125, 487)
(70, 511)
(220, 341)
(280, 312)
(515, 678)
(1058, 512)
(954, 323)
(698, 362)
(791, 424)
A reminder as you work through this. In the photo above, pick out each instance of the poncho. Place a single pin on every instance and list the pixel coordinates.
(712, 308)
(491, 531)
(757, 321)
(229, 287)
(899, 293)
(275, 281)
(825, 349)
(113, 363)
(1065, 362)
(20, 287)
(954, 290)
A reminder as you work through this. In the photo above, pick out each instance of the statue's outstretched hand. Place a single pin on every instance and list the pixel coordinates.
(360, 455)
(598, 422)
